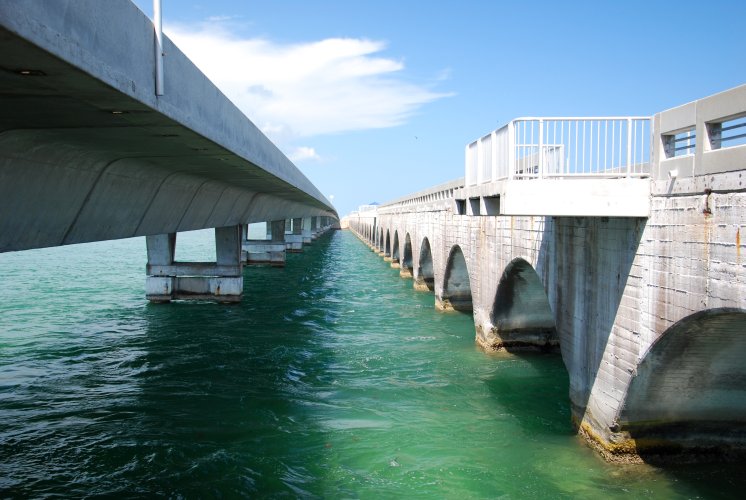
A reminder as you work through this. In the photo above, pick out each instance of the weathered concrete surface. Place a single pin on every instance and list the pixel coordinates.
(88, 152)
(267, 251)
(608, 289)
(221, 280)
(649, 313)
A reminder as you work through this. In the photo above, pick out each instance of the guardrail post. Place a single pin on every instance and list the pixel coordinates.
(629, 147)
(541, 148)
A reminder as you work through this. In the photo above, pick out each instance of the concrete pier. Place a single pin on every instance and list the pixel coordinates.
(221, 280)
(268, 251)
(306, 231)
(294, 240)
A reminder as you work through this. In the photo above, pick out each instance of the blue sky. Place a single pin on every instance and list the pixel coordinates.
(374, 100)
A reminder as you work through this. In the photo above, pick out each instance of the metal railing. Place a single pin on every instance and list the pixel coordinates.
(530, 147)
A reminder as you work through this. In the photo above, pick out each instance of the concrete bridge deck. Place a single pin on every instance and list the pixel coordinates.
(88, 151)
(649, 312)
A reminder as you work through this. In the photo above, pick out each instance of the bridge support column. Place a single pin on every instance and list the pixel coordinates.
(423, 285)
(315, 229)
(307, 234)
(221, 280)
(294, 240)
(270, 251)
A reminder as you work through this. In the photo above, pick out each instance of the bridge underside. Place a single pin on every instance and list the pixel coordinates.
(87, 152)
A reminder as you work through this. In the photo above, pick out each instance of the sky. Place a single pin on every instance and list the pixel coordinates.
(374, 100)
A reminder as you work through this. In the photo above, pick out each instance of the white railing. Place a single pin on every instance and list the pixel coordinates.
(529, 148)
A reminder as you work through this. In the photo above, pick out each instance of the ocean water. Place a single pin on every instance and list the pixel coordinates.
(332, 379)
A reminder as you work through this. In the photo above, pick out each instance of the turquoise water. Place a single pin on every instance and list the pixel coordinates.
(332, 379)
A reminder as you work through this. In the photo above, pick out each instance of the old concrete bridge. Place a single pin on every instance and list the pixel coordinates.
(107, 130)
(617, 240)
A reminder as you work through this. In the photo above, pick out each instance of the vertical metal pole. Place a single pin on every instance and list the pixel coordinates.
(629, 147)
(158, 47)
(541, 149)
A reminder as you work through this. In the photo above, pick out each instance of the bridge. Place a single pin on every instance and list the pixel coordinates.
(616, 240)
(107, 130)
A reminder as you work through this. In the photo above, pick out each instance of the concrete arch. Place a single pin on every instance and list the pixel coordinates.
(425, 277)
(406, 260)
(689, 391)
(387, 245)
(521, 315)
(456, 293)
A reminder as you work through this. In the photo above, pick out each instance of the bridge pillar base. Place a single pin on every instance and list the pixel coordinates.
(448, 305)
(269, 251)
(221, 281)
(405, 272)
(386, 258)
(395, 265)
(263, 252)
(219, 288)
(423, 284)
(532, 339)
(294, 243)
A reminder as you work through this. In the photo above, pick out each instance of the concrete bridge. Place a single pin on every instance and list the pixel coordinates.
(616, 240)
(91, 149)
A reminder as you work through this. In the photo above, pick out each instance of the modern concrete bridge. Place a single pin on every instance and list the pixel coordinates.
(89, 152)
(619, 240)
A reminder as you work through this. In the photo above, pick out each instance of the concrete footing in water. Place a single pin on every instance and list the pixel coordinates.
(221, 280)
(263, 252)
(530, 339)
(267, 251)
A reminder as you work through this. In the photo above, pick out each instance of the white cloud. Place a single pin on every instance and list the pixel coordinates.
(304, 153)
(304, 89)
(220, 18)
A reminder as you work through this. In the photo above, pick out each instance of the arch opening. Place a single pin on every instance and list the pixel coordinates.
(456, 286)
(387, 245)
(688, 397)
(395, 251)
(425, 278)
(521, 315)
(406, 261)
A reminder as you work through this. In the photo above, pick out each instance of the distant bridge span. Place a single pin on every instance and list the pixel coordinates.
(646, 299)
(88, 152)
